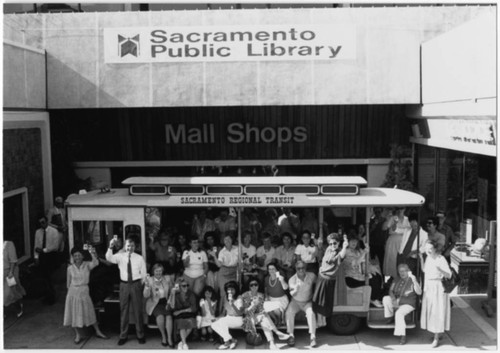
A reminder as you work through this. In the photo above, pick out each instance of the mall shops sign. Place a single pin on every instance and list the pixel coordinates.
(234, 133)
(229, 43)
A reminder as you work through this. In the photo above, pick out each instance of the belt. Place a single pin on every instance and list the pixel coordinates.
(126, 282)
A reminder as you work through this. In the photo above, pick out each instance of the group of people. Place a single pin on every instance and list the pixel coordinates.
(284, 266)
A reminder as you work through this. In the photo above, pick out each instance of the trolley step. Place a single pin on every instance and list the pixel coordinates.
(376, 320)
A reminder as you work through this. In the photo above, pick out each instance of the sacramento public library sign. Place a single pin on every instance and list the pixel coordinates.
(229, 43)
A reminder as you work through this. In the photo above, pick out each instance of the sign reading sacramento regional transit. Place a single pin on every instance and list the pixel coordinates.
(229, 43)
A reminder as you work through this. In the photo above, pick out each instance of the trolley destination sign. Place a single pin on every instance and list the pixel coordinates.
(229, 43)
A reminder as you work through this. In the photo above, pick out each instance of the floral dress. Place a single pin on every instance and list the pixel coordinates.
(255, 316)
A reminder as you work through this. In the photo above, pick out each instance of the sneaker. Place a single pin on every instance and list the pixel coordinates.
(180, 346)
(225, 345)
(233, 344)
(185, 346)
(376, 303)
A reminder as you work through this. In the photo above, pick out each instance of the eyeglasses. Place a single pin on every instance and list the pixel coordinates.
(254, 284)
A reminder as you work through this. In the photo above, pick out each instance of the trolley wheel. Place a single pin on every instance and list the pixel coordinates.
(344, 324)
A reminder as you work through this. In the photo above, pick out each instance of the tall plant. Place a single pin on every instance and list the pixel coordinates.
(399, 173)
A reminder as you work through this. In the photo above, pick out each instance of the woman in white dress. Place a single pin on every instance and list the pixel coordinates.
(396, 224)
(79, 310)
(436, 306)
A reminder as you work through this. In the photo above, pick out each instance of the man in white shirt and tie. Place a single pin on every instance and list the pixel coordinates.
(132, 275)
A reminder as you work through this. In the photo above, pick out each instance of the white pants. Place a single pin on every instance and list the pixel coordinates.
(293, 308)
(223, 325)
(267, 326)
(399, 316)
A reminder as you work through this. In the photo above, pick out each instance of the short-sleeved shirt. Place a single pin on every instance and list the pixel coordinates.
(249, 252)
(305, 292)
(196, 260)
(330, 263)
(269, 254)
(352, 264)
(224, 227)
(307, 253)
(229, 308)
(229, 258)
(285, 255)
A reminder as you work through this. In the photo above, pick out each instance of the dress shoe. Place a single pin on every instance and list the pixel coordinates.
(403, 340)
(141, 340)
(122, 341)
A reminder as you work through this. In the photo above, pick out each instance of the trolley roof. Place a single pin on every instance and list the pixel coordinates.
(253, 180)
(368, 197)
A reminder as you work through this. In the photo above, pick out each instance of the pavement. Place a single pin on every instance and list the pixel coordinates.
(41, 328)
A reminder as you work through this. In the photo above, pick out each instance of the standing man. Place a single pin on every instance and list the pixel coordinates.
(56, 216)
(301, 289)
(448, 233)
(132, 274)
(410, 248)
(47, 244)
(225, 225)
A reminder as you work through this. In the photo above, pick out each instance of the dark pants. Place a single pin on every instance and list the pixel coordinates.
(131, 301)
(49, 262)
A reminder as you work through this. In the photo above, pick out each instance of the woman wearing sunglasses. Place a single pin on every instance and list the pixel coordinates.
(325, 285)
(183, 303)
(253, 304)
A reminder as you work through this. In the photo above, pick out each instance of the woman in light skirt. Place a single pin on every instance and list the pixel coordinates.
(79, 310)
(435, 316)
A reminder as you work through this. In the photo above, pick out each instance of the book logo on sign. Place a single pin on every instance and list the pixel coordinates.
(128, 45)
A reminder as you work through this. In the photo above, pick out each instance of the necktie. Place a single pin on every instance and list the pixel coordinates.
(44, 239)
(129, 269)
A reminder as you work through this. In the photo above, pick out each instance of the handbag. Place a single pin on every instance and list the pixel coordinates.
(11, 282)
(450, 283)
(254, 339)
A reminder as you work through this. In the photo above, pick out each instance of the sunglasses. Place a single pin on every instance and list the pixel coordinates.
(254, 284)
(184, 286)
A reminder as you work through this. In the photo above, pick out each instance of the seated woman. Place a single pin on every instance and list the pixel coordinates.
(231, 316)
(157, 291)
(208, 308)
(183, 303)
(275, 287)
(354, 266)
(402, 299)
(253, 304)
(325, 286)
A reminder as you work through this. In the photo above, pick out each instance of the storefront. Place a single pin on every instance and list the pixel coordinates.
(455, 129)
(290, 91)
